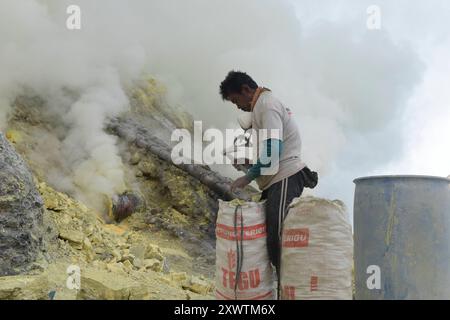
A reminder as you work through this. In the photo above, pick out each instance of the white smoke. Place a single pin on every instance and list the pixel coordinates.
(81, 77)
(413, 99)
(347, 86)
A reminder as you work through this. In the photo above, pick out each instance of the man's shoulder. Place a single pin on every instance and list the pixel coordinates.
(268, 101)
(268, 96)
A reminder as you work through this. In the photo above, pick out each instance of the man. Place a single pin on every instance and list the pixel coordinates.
(281, 145)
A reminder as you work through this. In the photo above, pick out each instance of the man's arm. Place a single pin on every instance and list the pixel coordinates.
(266, 161)
(255, 171)
(272, 122)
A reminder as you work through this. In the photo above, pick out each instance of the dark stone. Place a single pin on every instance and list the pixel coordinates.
(125, 204)
(21, 213)
(155, 211)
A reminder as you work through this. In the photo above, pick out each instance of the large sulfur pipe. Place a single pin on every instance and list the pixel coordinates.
(402, 237)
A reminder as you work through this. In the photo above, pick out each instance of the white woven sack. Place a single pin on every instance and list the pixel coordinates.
(255, 281)
(317, 251)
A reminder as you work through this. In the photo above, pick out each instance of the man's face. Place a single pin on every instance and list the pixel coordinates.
(242, 100)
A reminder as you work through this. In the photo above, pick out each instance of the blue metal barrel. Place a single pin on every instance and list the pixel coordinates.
(402, 226)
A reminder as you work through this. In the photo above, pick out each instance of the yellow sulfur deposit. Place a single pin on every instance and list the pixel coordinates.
(115, 262)
(13, 136)
(170, 234)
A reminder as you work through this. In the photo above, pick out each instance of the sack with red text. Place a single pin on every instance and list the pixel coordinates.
(317, 251)
(243, 270)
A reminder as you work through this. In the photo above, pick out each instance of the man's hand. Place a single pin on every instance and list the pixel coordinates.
(240, 183)
(242, 164)
(242, 161)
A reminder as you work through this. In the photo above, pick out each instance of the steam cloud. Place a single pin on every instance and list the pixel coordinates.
(347, 86)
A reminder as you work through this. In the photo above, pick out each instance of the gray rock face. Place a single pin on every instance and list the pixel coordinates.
(21, 213)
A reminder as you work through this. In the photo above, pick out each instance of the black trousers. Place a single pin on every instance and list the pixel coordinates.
(278, 196)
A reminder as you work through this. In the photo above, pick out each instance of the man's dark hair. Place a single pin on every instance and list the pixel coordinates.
(233, 83)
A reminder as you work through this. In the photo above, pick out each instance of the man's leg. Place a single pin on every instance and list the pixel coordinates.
(278, 197)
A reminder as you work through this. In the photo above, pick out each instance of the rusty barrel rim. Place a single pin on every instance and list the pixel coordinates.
(444, 179)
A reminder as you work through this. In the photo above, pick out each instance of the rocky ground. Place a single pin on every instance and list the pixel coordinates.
(165, 250)
(115, 261)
